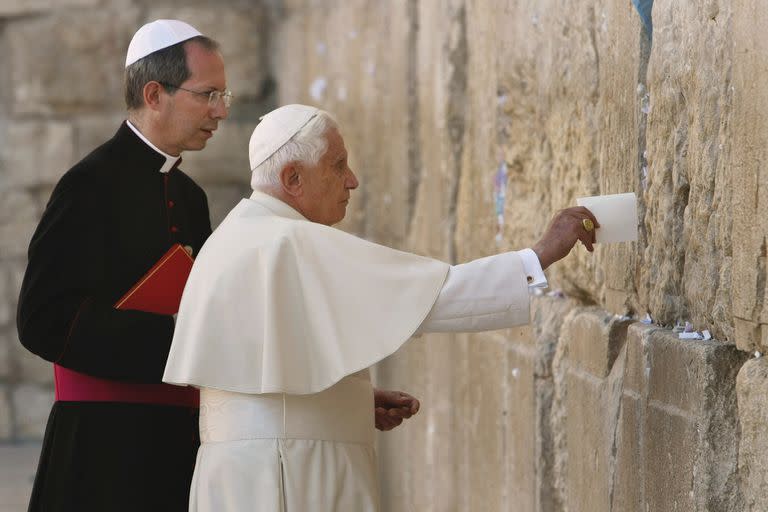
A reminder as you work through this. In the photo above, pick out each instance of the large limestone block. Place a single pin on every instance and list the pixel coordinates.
(561, 161)
(668, 471)
(594, 340)
(76, 63)
(242, 29)
(629, 473)
(691, 424)
(551, 95)
(749, 173)
(589, 368)
(659, 429)
(441, 87)
(618, 39)
(684, 270)
(752, 383)
(37, 152)
(354, 59)
(31, 406)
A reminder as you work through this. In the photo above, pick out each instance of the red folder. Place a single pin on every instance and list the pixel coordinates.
(159, 290)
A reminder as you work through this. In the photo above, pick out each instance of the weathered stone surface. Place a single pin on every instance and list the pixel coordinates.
(663, 418)
(692, 410)
(520, 422)
(7, 298)
(750, 143)
(594, 340)
(37, 152)
(359, 64)
(589, 370)
(688, 218)
(91, 131)
(5, 353)
(489, 377)
(752, 383)
(70, 45)
(6, 418)
(626, 484)
(31, 405)
(19, 215)
(225, 157)
(25, 7)
(28, 367)
(547, 317)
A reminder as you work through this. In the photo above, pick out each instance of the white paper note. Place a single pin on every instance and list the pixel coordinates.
(616, 214)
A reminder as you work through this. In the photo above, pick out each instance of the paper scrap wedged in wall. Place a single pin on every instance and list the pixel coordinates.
(616, 214)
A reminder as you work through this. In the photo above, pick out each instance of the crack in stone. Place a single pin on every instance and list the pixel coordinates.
(458, 57)
(414, 147)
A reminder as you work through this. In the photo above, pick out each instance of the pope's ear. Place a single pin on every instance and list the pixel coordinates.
(151, 94)
(290, 178)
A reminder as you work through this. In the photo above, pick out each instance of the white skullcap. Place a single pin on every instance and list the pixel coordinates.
(277, 128)
(158, 35)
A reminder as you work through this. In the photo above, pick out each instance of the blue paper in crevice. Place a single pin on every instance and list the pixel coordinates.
(644, 8)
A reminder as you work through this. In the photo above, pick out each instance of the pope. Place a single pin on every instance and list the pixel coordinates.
(283, 315)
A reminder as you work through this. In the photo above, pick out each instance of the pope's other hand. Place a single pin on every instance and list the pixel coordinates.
(392, 407)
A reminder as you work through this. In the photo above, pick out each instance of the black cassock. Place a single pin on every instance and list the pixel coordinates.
(109, 219)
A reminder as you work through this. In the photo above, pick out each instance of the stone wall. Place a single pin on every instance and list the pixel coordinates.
(444, 104)
(586, 409)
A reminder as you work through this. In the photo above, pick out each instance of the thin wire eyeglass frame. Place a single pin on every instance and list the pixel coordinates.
(213, 96)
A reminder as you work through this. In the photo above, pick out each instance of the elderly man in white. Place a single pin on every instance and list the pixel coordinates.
(283, 315)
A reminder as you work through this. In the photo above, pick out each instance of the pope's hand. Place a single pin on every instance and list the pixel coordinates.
(392, 407)
(566, 228)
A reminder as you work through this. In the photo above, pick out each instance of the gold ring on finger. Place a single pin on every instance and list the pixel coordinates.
(589, 226)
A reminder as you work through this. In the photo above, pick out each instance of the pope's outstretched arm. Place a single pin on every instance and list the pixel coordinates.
(493, 292)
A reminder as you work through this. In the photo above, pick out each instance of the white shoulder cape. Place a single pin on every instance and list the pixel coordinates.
(278, 304)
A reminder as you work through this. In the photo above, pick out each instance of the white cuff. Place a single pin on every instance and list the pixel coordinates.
(534, 274)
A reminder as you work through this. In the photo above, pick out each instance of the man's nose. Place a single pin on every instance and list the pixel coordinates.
(352, 182)
(220, 111)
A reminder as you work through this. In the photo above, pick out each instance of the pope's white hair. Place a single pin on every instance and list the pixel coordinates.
(307, 146)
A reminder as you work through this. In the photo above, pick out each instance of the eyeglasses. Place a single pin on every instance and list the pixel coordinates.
(213, 96)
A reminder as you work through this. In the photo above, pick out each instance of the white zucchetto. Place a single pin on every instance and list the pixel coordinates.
(277, 128)
(157, 35)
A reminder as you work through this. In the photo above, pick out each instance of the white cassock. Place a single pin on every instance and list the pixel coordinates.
(279, 322)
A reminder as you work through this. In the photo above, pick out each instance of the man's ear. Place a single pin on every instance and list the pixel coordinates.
(151, 93)
(290, 179)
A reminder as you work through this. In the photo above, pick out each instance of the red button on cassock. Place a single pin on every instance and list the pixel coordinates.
(170, 204)
(174, 229)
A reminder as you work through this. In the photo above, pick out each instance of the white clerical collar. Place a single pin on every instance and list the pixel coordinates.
(170, 160)
(276, 206)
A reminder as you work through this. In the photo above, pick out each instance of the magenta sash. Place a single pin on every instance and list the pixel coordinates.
(72, 386)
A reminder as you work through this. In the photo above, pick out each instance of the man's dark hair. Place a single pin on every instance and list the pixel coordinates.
(168, 66)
